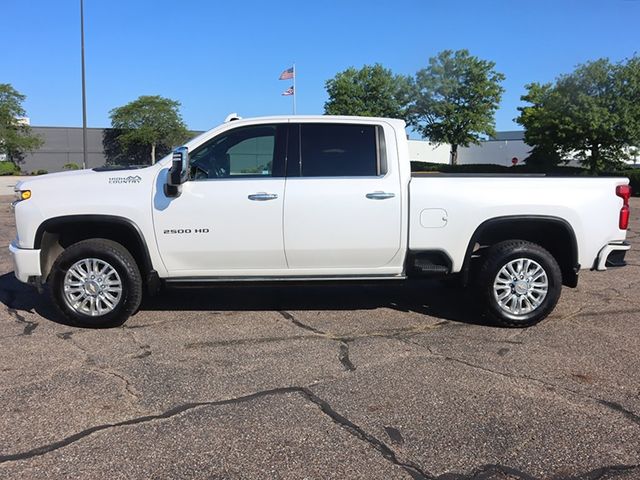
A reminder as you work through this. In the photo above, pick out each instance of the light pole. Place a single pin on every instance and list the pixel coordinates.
(84, 93)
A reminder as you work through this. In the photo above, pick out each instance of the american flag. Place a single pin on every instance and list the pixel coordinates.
(287, 74)
(288, 91)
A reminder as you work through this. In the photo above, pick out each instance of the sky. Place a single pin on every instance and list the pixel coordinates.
(218, 57)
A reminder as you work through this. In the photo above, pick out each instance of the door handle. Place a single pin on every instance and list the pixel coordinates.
(380, 195)
(262, 196)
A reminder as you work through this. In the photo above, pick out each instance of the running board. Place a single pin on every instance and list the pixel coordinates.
(311, 278)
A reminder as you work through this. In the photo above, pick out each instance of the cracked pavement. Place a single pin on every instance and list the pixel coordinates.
(323, 382)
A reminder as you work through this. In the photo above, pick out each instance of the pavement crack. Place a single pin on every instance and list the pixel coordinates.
(343, 356)
(413, 470)
(490, 471)
(247, 341)
(606, 472)
(298, 323)
(145, 349)
(128, 387)
(496, 471)
(343, 352)
(613, 406)
(68, 337)
(345, 339)
(172, 412)
(102, 370)
(635, 418)
(387, 452)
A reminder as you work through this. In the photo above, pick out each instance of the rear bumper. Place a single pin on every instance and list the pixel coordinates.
(612, 255)
(26, 262)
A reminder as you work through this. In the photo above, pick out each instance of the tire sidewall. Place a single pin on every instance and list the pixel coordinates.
(66, 260)
(554, 278)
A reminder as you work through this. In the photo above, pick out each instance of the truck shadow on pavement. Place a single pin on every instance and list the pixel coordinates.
(427, 297)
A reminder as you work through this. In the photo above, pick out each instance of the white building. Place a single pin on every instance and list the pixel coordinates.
(501, 150)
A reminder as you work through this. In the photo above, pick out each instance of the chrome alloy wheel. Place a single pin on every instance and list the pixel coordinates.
(92, 287)
(520, 286)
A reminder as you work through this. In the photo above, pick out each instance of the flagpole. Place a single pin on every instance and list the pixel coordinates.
(295, 90)
(84, 91)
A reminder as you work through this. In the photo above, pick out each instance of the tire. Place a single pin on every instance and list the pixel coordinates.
(527, 300)
(100, 269)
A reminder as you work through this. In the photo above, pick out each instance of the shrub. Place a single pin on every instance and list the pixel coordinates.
(634, 178)
(39, 172)
(71, 166)
(8, 168)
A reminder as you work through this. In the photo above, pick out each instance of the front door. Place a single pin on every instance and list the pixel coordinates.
(228, 219)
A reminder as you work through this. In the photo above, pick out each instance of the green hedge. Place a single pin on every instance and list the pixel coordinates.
(8, 168)
(632, 173)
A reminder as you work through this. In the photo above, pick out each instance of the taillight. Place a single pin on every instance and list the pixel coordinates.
(624, 192)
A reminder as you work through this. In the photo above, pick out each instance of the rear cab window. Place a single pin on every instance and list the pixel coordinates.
(336, 150)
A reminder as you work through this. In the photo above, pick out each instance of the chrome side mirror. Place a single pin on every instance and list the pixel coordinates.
(178, 173)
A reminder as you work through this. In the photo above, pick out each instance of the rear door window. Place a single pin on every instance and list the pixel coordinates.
(338, 150)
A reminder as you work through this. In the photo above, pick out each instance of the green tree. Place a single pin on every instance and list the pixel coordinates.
(592, 114)
(372, 91)
(16, 137)
(456, 97)
(151, 124)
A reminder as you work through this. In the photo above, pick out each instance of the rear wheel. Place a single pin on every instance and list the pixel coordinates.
(96, 283)
(520, 283)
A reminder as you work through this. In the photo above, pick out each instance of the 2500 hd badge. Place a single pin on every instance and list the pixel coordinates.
(185, 230)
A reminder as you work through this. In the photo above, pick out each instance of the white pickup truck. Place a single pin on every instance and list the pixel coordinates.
(310, 198)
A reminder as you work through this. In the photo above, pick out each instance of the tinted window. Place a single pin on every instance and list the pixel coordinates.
(329, 150)
(243, 152)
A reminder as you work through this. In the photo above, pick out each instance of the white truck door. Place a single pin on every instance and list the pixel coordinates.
(342, 198)
(228, 219)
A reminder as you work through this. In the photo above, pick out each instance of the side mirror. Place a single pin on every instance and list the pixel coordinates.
(178, 173)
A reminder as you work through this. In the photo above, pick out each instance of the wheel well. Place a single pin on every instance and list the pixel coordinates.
(57, 234)
(553, 234)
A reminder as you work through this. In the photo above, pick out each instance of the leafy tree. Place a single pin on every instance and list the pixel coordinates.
(150, 124)
(16, 137)
(592, 113)
(372, 91)
(456, 98)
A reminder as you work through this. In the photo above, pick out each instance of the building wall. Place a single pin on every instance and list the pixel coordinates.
(63, 145)
(499, 152)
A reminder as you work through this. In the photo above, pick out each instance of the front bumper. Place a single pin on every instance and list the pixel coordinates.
(26, 262)
(612, 255)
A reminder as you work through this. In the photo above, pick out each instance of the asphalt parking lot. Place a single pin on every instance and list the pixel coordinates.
(323, 382)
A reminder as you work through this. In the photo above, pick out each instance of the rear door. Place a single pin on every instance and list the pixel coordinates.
(342, 199)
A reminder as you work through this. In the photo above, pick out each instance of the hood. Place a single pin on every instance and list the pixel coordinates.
(99, 180)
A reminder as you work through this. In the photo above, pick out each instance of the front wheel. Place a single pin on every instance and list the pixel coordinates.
(96, 283)
(520, 283)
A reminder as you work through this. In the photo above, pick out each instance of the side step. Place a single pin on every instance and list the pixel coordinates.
(429, 263)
